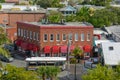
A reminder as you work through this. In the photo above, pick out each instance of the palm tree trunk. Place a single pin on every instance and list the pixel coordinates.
(52, 78)
(44, 77)
(75, 72)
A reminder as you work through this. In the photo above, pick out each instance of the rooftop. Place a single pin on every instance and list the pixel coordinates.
(8, 11)
(85, 24)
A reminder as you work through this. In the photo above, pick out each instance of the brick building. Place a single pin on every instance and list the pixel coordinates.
(11, 17)
(52, 39)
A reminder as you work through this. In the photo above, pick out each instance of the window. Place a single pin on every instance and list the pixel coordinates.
(45, 37)
(70, 36)
(82, 37)
(58, 37)
(51, 37)
(21, 32)
(111, 48)
(27, 33)
(37, 36)
(18, 31)
(88, 37)
(34, 35)
(24, 33)
(64, 37)
(76, 37)
(30, 34)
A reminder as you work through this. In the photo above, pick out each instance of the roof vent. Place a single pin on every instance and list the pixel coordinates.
(44, 21)
(62, 21)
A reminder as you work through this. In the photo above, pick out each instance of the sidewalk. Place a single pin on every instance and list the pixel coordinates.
(19, 55)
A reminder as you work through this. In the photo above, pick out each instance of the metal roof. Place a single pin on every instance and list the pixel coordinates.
(111, 56)
(75, 24)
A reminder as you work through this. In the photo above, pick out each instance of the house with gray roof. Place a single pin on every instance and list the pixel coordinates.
(68, 10)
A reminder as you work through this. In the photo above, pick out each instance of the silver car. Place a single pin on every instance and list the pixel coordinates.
(6, 59)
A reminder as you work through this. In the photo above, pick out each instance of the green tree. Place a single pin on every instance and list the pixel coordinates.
(3, 40)
(54, 17)
(0, 7)
(100, 73)
(42, 72)
(3, 37)
(2, 1)
(53, 72)
(76, 52)
(14, 73)
(83, 14)
(48, 3)
(48, 72)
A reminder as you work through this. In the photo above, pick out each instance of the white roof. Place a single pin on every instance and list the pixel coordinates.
(46, 59)
(111, 57)
(102, 41)
(99, 32)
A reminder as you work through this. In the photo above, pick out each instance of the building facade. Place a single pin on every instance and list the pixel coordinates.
(10, 18)
(53, 39)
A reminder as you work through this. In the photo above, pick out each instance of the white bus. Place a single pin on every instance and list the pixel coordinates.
(33, 63)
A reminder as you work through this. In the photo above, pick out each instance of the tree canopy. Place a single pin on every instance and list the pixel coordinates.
(102, 73)
(47, 3)
(13, 73)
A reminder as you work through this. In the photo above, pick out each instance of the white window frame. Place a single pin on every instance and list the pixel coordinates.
(18, 31)
(70, 36)
(27, 33)
(21, 32)
(44, 37)
(34, 35)
(51, 38)
(37, 36)
(30, 34)
(82, 36)
(63, 37)
(76, 37)
(57, 37)
(24, 33)
(88, 36)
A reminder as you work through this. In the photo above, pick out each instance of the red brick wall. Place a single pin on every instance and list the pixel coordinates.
(66, 31)
(12, 18)
(58, 30)
(31, 17)
(3, 17)
(11, 33)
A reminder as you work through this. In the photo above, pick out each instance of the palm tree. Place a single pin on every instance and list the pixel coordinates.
(52, 72)
(76, 52)
(42, 70)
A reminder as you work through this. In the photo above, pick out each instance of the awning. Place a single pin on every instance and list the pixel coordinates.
(87, 48)
(63, 49)
(35, 48)
(24, 45)
(47, 49)
(55, 49)
(98, 35)
(30, 46)
(19, 42)
(72, 48)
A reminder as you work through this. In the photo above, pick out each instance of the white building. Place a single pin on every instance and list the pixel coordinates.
(12, 6)
(111, 53)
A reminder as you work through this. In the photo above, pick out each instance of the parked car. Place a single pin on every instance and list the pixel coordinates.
(9, 47)
(6, 59)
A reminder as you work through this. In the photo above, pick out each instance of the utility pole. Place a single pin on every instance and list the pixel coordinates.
(68, 62)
